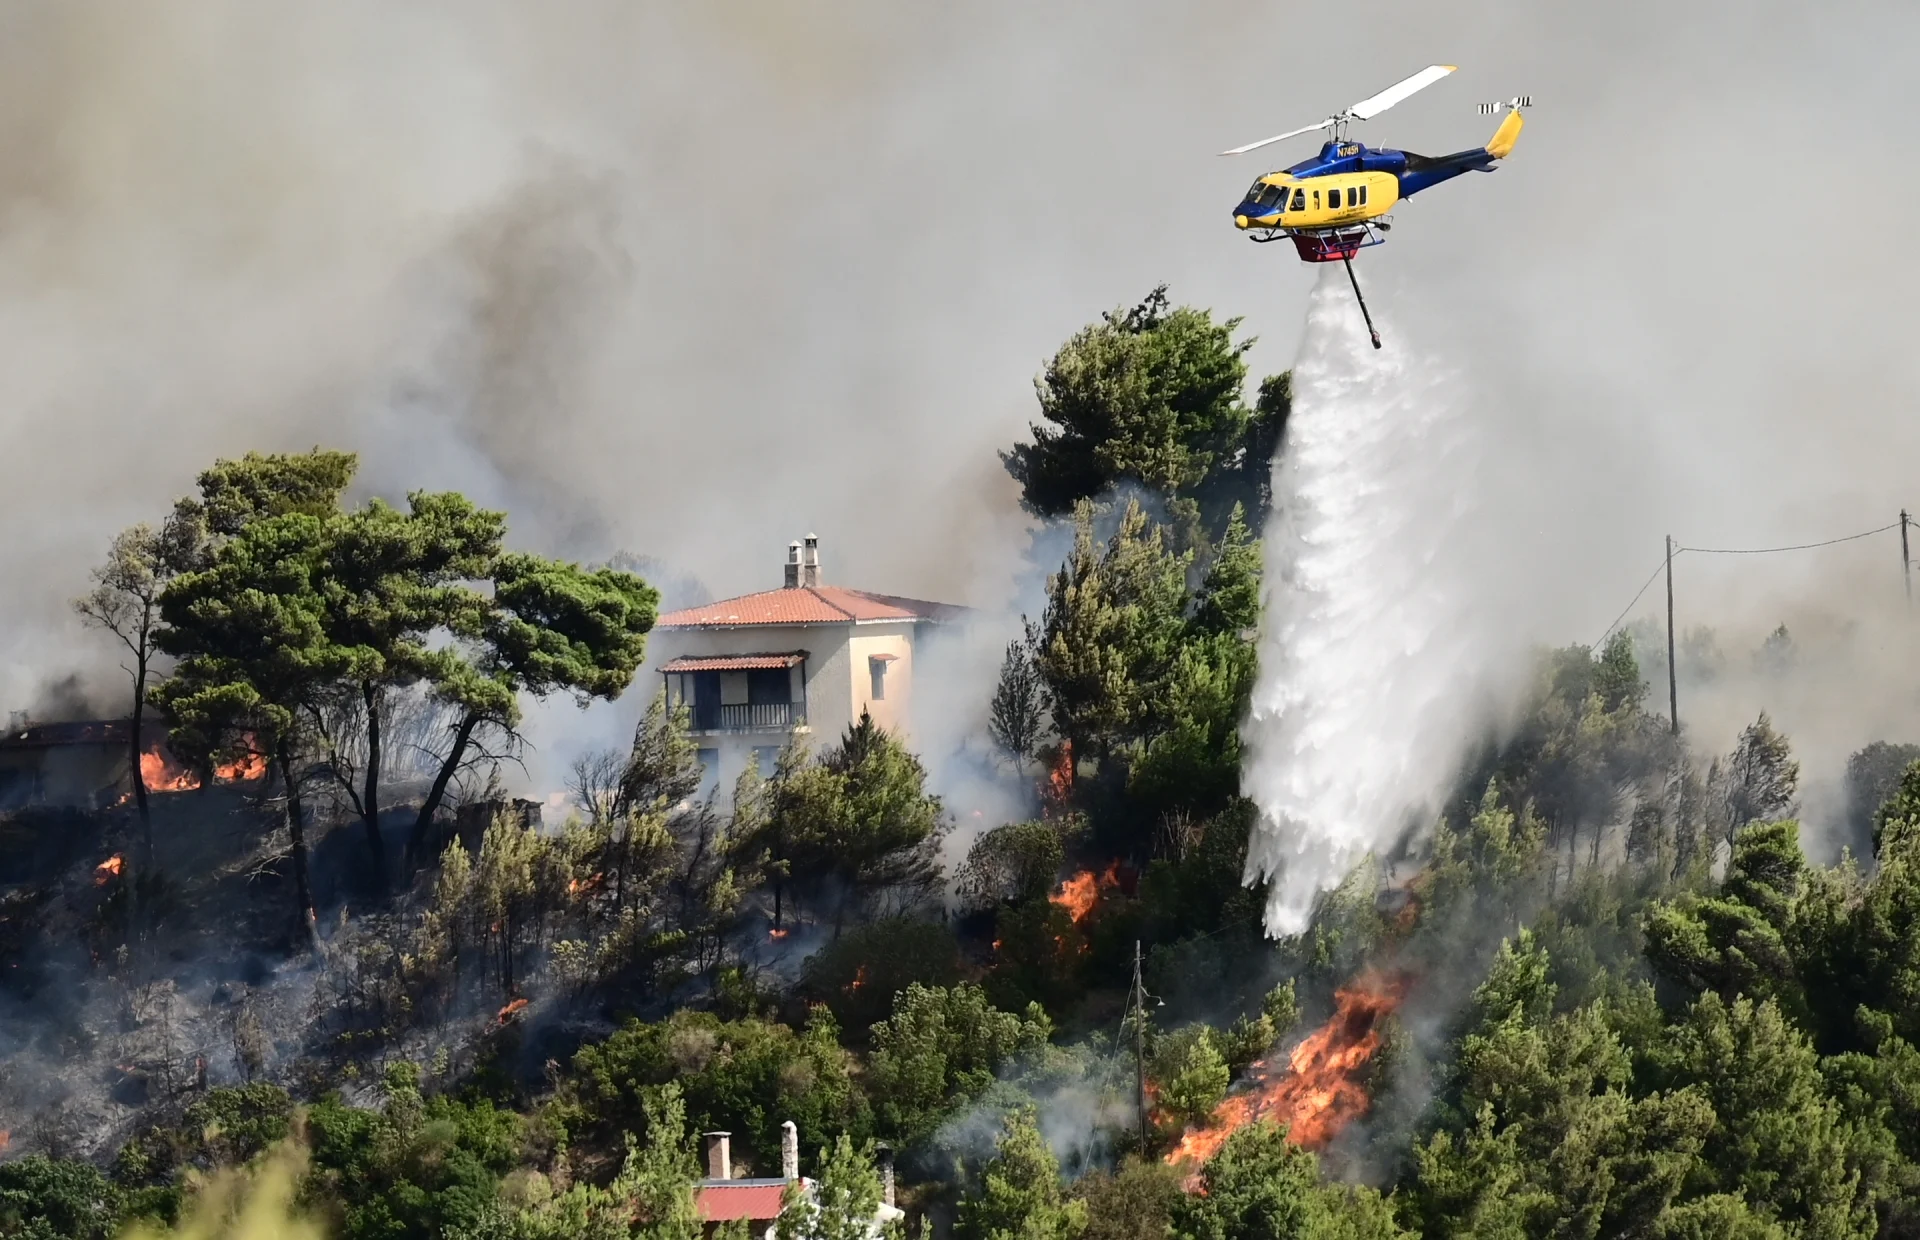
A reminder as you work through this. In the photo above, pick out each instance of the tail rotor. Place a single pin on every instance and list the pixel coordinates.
(1506, 105)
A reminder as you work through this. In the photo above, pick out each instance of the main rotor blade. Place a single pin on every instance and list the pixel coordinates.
(1376, 104)
(1279, 137)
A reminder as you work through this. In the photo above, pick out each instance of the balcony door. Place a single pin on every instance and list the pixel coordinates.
(706, 701)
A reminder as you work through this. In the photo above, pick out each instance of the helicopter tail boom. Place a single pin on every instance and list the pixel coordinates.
(1501, 144)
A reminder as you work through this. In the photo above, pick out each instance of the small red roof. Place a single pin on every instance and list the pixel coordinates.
(807, 605)
(757, 1200)
(731, 662)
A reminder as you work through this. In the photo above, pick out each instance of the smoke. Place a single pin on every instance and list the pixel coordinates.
(254, 1203)
(689, 280)
(1370, 650)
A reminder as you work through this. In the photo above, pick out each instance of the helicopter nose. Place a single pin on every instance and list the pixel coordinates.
(1239, 221)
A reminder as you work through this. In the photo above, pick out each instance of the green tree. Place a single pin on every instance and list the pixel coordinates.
(55, 1199)
(551, 627)
(1738, 942)
(1153, 395)
(1013, 863)
(845, 1198)
(1781, 1141)
(855, 824)
(1191, 1074)
(941, 1048)
(746, 1076)
(418, 1166)
(1111, 633)
(1020, 1196)
(396, 590)
(1760, 777)
(1016, 717)
(863, 974)
(1896, 823)
(249, 636)
(1489, 861)
(234, 494)
(1260, 1186)
(125, 603)
(1133, 1202)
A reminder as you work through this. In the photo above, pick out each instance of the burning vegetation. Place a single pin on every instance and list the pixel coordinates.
(1081, 892)
(161, 773)
(1321, 1085)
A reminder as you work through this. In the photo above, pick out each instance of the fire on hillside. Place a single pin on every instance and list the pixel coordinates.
(161, 773)
(1319, 1088)
(1080, 893)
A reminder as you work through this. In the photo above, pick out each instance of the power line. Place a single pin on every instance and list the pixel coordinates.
(1651, 578)
(1796, 547)
(1655, 574)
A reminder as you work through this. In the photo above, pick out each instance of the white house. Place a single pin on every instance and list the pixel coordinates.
(759, 1202)
(804, 659)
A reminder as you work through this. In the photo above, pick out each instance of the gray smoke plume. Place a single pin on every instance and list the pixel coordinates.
(688, 281)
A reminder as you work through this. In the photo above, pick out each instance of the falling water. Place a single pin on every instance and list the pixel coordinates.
(1370, 655)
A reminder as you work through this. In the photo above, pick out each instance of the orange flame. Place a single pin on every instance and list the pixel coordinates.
(246, 768)
(777, 934)
(161, 774)
(108, 870)
(1319, 1089)
(576, 887)
(6, 1138)
(1057, 790)
(859, 979)
(1080, 893)
(508, 1012)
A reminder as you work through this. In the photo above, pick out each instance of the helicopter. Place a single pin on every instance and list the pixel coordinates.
(1335, 205)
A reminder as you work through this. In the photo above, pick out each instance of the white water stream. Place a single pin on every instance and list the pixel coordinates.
(1371, 654)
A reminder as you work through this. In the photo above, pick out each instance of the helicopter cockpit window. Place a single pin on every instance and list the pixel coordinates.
(1269, 195)
(1299, 200)
(1253, 191)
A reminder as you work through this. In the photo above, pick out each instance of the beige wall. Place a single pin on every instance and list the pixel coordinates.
(837, 687)
(894, 712)
(823, 689)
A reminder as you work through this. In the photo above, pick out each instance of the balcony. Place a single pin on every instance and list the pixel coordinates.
(748, 717)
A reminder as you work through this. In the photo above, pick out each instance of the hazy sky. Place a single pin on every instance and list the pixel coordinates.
(692, 280)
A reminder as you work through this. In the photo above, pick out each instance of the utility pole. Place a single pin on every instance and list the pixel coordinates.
(1673, 671)
(1906, 558)
(1140, 1046)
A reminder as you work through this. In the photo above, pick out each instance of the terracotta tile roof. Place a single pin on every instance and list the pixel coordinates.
(725, 1200)
(807, 605)
(731, 662)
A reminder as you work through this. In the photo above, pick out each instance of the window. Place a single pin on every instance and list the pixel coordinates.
(1253, 191)
(877, 670)
(1299, 200)
(1353, 196)
(770, 687)
(1272, 196)
(1363, 195)
(709, 771)
(765, 759)
(1316, 200)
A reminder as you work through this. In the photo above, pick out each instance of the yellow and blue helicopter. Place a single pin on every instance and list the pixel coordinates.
(1335, 205)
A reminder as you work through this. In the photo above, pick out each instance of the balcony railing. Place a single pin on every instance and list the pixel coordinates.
(750, 717)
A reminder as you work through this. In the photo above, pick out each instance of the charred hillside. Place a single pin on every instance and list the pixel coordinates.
(296, 927)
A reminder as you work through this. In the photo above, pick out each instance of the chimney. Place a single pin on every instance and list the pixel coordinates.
(883, 1157)
(719, 1155)
(789, 1151)
(810, 562)
(793, 565)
